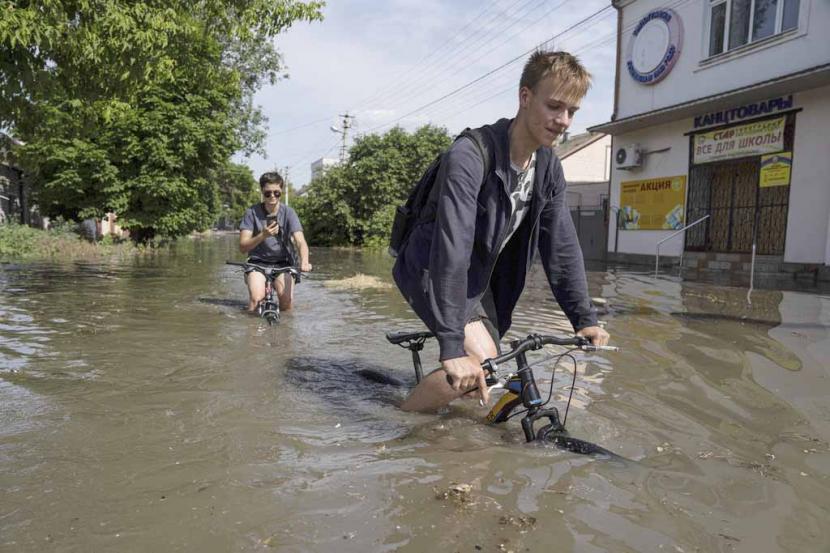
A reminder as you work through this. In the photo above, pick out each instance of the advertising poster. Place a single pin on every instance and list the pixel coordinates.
(653, 204)
(752, 139)
(776, 169)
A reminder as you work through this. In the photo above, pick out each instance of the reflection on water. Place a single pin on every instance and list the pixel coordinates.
(142, 409)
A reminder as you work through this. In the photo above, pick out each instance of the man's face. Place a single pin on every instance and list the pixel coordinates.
(271, 195)
(548, 110)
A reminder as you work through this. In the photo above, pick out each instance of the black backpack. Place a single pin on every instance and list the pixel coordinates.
(412, 212)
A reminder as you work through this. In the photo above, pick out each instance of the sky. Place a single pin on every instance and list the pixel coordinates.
(451, 63)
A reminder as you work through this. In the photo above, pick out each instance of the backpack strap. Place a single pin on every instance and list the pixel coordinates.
(287, 245)
(484, 145)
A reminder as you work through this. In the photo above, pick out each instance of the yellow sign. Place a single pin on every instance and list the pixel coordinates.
(752, 139)
(653, 204)
(775, 169)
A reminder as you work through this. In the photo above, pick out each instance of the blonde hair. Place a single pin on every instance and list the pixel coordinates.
(565, 68)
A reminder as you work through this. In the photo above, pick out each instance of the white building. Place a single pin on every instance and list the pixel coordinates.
(586, 163)
(321, 166)
(722, 109)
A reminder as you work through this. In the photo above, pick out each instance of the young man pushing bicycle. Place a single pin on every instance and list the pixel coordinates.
(264, 234)
(463, 268)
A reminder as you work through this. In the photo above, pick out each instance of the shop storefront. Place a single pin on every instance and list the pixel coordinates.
(720, 140)
(739, 175)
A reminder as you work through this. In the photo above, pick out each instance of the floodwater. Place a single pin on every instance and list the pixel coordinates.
(141, 410)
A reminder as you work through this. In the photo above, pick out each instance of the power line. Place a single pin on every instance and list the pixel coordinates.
(383, 91)
(459, 56)
(454, 93)
(413, 67)
(301, 126)
(512, 87)
(492, 71)
(483, 89)
(311, 155)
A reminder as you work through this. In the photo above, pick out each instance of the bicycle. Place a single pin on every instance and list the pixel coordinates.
(520, 387)
(269, 307)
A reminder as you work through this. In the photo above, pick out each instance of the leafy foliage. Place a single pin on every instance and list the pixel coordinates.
(62, 242)
(136, 107)
(238, 190)
(355, 204)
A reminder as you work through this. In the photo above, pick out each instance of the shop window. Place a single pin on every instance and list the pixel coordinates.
(734, 23)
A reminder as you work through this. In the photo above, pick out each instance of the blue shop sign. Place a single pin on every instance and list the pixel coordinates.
(748, 111)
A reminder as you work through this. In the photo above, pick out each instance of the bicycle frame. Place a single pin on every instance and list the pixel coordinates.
(269, 306)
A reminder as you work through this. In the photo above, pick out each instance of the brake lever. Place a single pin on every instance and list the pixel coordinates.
(491, 369)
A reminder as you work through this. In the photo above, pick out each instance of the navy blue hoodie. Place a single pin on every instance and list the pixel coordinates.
(452, 255)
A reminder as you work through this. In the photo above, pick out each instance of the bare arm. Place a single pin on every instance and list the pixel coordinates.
(249, 241)
(302, 248)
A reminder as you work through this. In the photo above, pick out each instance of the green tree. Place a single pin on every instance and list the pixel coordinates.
(136, 107)
(355, 203)
(238, 190)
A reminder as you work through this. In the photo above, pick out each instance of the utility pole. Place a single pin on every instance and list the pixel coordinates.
(346, 125)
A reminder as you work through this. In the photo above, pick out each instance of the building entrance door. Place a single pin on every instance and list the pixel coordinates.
(730, 194)
(591, 224)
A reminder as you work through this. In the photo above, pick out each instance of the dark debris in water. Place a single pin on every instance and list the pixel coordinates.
(521, 521)
(459, 494)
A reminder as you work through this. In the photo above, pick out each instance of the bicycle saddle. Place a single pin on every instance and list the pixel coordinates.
(400, 337)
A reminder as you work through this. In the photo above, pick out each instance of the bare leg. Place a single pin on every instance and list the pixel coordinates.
(285, 291)
(433, 392)
(256, 289)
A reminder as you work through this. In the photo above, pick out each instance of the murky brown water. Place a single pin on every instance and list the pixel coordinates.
(140, 410)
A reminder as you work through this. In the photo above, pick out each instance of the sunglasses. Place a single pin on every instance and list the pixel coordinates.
(269, 193)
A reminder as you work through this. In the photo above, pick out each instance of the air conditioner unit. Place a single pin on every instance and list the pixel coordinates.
(628, 156)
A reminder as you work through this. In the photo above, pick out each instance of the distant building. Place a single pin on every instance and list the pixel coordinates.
(586, 162)
(721, 110)
(321, 166)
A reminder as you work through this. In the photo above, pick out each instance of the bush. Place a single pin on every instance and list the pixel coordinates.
(20, 241)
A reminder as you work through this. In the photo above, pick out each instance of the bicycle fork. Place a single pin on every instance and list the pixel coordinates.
(532, 401)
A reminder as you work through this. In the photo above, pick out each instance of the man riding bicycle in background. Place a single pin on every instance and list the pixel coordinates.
(265, 235)
(464, 270)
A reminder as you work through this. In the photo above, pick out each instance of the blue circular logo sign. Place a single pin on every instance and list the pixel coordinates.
(654, 46)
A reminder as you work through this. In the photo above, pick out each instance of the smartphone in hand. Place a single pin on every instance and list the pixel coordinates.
(270, 220)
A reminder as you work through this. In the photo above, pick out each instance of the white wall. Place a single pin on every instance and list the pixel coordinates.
(808, 219)
(809, 211)
(321, 165)
(590, 164)
(586, 194)
(691, 79)
(670, 163)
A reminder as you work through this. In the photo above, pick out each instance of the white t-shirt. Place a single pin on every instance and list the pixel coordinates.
(520, 194)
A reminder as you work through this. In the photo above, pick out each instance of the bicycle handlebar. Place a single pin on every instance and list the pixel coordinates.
(268, 270)
(537, 341)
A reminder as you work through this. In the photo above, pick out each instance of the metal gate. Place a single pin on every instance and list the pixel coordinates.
(592, 228)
